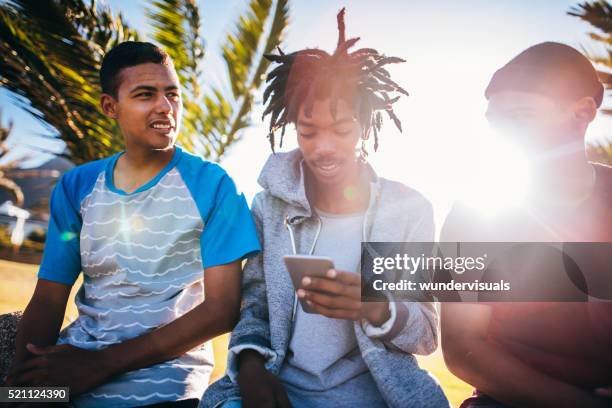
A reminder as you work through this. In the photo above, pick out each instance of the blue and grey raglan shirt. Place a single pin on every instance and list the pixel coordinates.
(142, 255)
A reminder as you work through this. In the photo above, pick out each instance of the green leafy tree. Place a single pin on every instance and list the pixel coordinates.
(51, 50)
(599, 15)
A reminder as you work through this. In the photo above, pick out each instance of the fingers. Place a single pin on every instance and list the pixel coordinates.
(333, 286)
(335, 313)
(24, 367)
(348, 278)
(330, 301)
(31, 364)
(341, 298)
(41, 351)
(31, 378)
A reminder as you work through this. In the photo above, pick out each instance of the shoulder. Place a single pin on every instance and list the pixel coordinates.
(261, 201)
(266, 206)
(84, 172)
(265, 198)
(466, 222)
(80, 180)
(404, 196)
(195, 169)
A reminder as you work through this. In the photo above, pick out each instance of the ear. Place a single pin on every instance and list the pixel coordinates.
(585, 110)
(108, 104)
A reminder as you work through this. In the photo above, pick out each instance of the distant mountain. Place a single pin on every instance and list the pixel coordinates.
(37, 190)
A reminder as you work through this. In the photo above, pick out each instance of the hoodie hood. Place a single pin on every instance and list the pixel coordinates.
(283, 177)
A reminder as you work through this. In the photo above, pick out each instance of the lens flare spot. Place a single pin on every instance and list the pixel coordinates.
(350, 193)
(503, 180)
(68, 236)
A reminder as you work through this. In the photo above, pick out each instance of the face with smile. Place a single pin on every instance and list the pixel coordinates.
(328, 144)
(148, 106)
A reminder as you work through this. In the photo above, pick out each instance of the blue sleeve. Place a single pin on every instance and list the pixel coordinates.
(62, 259)
(229, 230)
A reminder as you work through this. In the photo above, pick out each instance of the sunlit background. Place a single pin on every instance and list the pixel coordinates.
(452, 48)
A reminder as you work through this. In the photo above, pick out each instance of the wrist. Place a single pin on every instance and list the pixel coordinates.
(250, 358)
(378, 314)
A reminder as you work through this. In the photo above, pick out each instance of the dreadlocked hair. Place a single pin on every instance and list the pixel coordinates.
(358, 77)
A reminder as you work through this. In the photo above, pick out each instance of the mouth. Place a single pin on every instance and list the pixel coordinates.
(164, 126)
(327, 167)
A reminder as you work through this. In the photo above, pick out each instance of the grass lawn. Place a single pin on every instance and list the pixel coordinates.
(17, 283)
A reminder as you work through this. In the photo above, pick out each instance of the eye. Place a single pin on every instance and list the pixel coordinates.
(173, 95)
(343, 132)
(306, 132)
(144, 95)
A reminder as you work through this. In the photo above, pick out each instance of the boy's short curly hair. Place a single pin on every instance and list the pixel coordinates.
(128, 54)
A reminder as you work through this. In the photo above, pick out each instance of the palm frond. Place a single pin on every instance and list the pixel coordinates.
(176, 28)
(51, 50)
(599, 15)
(214, 119)
(244, 56)
(49, 60)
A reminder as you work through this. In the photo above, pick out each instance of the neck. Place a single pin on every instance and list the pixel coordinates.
(145, 159)
(350, 196)
(564, 178)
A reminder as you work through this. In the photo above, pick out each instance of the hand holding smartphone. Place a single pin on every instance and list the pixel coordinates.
(336, 295)
(300, 266)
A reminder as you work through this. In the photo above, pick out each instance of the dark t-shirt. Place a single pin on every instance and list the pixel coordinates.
(568, 341)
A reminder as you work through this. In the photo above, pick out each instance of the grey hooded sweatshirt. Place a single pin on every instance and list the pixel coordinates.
(287, 224)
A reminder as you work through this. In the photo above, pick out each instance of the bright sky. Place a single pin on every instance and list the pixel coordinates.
(452, 48)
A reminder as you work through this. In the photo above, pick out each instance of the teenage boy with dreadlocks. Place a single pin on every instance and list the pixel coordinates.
(322, 199)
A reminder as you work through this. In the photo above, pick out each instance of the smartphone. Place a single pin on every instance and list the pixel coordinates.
(300, 266)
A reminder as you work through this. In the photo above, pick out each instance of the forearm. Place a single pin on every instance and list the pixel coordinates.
(502, 376)
(204, 322)
(40, 325)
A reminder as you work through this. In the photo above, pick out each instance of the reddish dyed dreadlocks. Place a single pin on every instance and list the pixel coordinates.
(358, 77)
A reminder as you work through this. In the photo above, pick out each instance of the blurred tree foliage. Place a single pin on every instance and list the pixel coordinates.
(599, 15)
(51, 50)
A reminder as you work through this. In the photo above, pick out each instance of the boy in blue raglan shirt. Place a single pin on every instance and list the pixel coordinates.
(159, 235)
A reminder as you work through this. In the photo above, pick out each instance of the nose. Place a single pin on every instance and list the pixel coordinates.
(326, 144)
(163, 105)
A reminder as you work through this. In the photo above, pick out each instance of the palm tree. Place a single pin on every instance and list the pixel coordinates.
(599, 15)
(50, 53)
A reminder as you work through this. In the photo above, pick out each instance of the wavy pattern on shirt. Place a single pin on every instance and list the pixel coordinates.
(142, 267)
